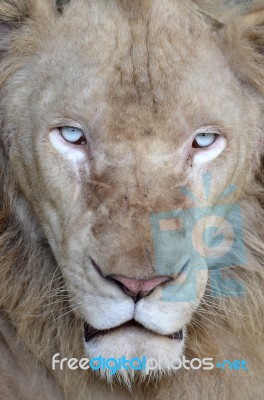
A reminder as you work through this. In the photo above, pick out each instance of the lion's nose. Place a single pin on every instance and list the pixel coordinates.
(138, 288)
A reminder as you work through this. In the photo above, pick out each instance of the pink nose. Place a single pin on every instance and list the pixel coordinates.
(138, 288)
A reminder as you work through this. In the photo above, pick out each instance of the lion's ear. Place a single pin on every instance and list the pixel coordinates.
(244, 41)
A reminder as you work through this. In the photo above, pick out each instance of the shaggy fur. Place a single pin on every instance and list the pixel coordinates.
(37, 318)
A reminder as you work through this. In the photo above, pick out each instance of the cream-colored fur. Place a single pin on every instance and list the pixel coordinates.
(140, 78)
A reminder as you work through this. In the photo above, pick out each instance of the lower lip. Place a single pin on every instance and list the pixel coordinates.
(91, 333)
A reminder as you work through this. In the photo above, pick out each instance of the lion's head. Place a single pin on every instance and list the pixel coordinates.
(108, 110)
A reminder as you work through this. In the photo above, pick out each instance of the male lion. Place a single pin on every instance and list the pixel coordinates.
(116, 115)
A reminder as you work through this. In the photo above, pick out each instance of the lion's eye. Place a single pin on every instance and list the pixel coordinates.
(204, 140)
(73, 135)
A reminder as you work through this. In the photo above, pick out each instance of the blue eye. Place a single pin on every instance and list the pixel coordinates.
(204, 139)
(73, 135)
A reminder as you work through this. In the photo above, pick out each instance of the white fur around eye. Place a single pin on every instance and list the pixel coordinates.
(203, 155)
(75, 154)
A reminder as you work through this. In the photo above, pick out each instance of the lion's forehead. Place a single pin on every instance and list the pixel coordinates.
(155, 62)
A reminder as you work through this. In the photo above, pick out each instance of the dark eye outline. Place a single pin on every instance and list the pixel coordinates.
(195, 145)
(80, 142)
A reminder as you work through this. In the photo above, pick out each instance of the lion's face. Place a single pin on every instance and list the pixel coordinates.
(138, 89)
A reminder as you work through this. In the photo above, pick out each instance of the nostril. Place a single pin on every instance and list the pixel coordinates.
(138, 288)
(134, 296)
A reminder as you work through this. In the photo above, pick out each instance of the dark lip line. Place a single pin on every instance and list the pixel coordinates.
(90, 332)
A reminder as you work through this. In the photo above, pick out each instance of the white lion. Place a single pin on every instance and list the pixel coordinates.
(108, 109)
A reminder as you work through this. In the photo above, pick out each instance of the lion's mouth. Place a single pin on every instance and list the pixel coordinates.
(91, 333)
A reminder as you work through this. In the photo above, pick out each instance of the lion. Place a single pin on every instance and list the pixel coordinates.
(116, 117)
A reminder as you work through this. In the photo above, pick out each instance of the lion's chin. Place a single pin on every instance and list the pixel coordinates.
(135, 342)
